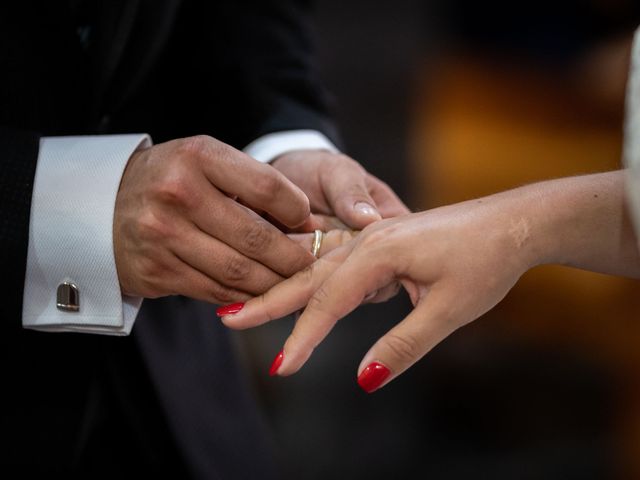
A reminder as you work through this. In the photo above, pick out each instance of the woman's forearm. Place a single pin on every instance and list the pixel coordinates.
(581, 222)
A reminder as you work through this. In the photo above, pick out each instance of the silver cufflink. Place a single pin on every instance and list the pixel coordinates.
(68, 297)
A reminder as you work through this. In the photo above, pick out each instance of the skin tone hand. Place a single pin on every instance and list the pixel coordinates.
(182, 223)
(339, 189)
(342, 195)
(456, 262)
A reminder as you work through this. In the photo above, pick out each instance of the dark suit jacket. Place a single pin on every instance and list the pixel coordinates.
(169, 398)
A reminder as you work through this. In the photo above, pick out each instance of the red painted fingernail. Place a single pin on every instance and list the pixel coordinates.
(276, 363)
(229, 309)
(373, 376)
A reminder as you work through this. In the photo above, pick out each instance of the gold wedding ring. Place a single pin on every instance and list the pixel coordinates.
(318, 235)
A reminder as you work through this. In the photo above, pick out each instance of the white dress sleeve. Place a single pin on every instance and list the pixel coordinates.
(631, 153)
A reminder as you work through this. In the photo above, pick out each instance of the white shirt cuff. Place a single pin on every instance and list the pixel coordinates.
(71, 235)
(270, 146)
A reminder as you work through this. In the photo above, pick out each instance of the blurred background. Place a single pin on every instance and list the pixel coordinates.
(449, 100)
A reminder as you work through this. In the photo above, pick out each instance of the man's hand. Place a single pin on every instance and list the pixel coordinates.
(181, 226)
(339, 186)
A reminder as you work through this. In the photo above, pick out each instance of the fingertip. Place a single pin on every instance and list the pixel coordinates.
(228, 315)
(277, 362)
(367, 212)
(311, 223)
(231, 322)
(289, 360)
(359, 214)
(302, 212)
(240, 317)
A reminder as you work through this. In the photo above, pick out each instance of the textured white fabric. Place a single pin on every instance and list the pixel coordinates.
(632, 135)
(272, 145)
(70, 234)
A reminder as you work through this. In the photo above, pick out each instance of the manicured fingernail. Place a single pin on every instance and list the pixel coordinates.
(365, 209)
(229, 309)
(373, 376)
(276, 363)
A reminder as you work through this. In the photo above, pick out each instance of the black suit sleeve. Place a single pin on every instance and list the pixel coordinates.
(276, 50)
(267, 48)
(19, 155)
(41, 93)
(236, 70)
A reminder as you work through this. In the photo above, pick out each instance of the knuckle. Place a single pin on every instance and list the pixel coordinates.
(350, 162)
(306, 275)
(150, 228)
(235, 269)
(301, 209)
(383, 232)
(175, 189)
(358, 192)
(149, 269)
(319, 300)
(405, 349)
(346, 236)
(268, 185)
(150, 273)
(340, 164)
(257, 237)
(197, 146)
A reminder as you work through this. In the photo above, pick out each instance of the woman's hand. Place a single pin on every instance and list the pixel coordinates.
(456, 263)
